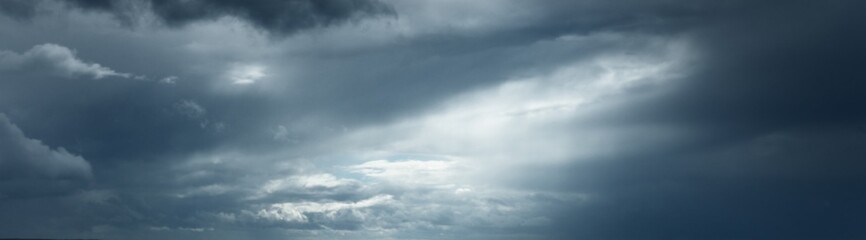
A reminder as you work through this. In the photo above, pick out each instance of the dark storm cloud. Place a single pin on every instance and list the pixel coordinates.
(275, 16)
(803, 185)
(278, 16)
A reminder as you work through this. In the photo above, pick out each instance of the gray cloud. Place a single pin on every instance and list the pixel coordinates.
(28, 166)
(18, 9)
(453, 119)
(58, 59)
(275, 16)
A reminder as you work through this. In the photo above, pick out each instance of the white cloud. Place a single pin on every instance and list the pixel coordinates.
(59, 60)
(297, 211)
(416, 172)
(22, 155)
(425, 17)
(411, 209)
(166, 228)
(443, 169)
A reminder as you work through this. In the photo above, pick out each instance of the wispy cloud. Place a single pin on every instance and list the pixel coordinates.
(59, 60)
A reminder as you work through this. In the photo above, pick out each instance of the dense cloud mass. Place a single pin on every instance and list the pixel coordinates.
(276, 16)
(624, 119)
(29, 167)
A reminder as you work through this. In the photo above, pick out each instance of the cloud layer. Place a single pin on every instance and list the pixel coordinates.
(29, 167)
(277, 17)
(58, 59)
(626, 119)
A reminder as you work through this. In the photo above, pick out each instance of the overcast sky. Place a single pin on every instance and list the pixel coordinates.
(446, 119)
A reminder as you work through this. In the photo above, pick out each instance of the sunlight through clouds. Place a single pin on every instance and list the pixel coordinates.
(246, 74)
(431, 119)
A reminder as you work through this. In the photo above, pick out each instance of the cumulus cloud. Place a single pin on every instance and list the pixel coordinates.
(24, 161)
(57, 59)
(541, 119)
(303, 182)
(418, 206)
(281, 133)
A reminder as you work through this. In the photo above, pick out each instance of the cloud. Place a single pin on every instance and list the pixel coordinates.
(304, 182)
(57, 59)
(299, 211)
(246, 74)
(275, 16)
(28, 166)
(480, 120)
(190, 109)
(413, 172)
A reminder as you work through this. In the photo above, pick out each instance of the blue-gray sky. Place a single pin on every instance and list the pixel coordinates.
(391, 119)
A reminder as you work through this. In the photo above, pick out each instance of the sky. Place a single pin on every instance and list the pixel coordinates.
(423, 119)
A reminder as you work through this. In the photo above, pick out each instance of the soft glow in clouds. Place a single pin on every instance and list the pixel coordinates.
(300, 183)
(246, 74)
(413, 172)
(440, 169)
(523, 120)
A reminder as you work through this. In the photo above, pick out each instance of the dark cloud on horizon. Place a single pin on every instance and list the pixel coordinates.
(777, 144)
(768, 123)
